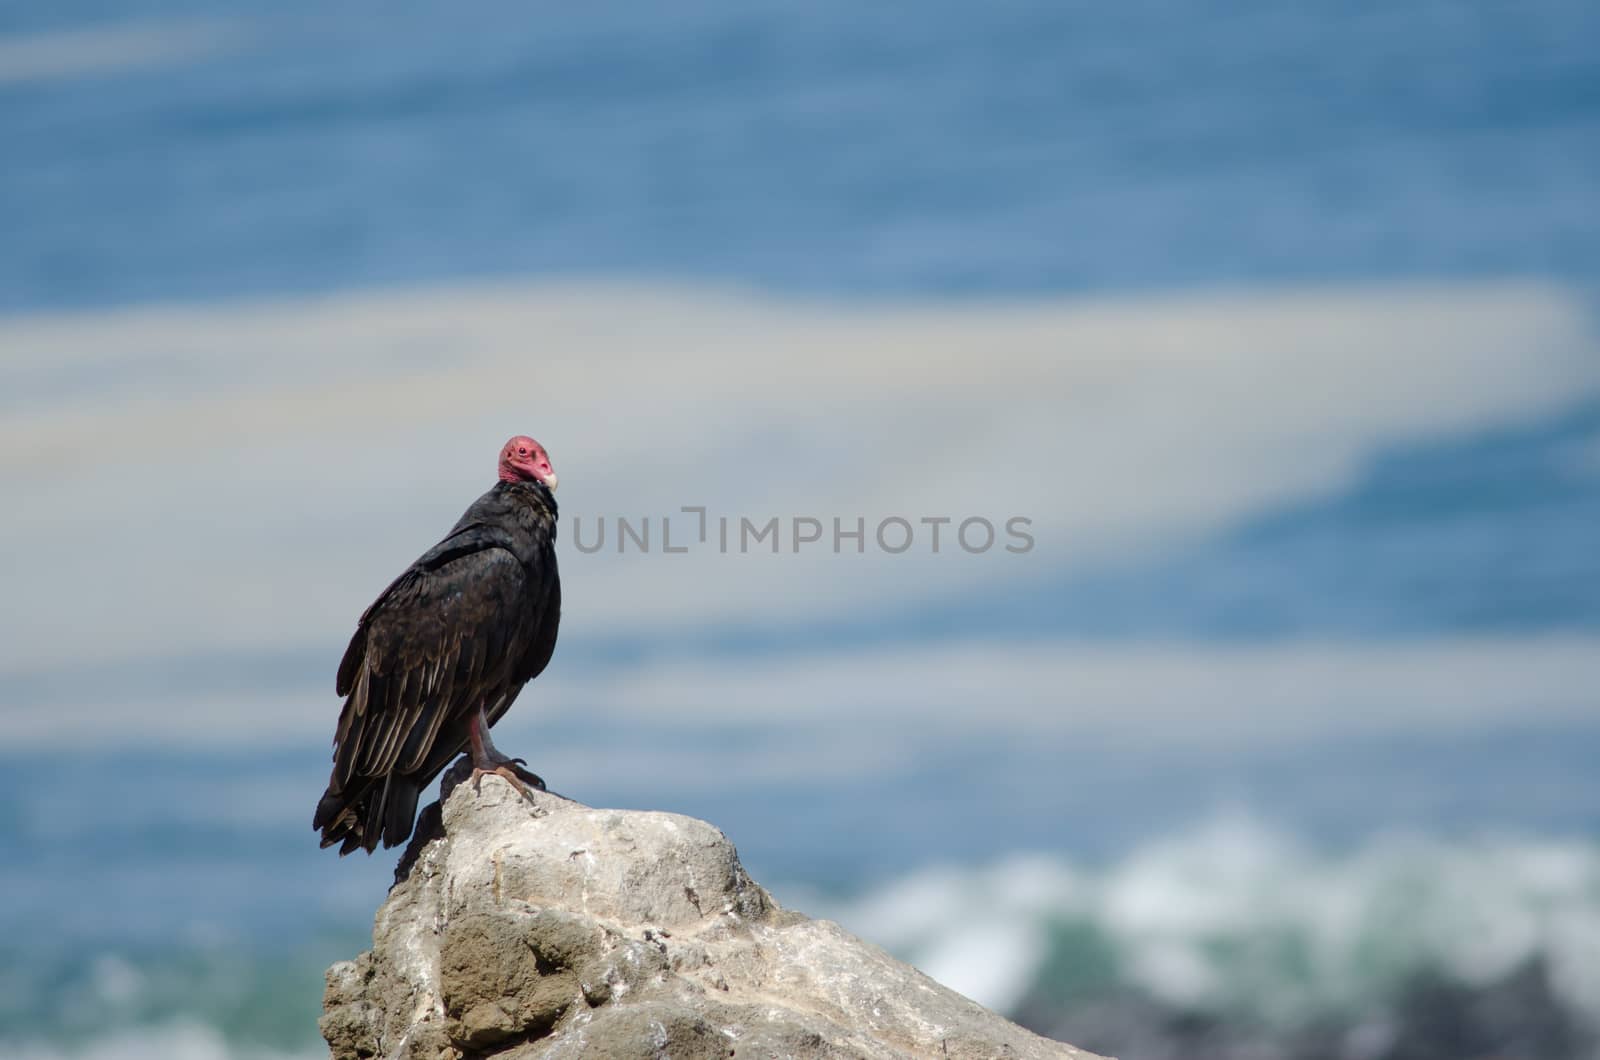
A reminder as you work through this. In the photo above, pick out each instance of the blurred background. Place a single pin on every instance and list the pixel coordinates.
(1277, 321)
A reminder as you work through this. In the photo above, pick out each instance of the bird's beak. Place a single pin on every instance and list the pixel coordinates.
(550, 480)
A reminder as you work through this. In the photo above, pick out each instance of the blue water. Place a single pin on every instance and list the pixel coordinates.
(941, 149)
(929, 148)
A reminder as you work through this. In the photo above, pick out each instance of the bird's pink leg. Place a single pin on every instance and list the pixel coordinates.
(486, 760)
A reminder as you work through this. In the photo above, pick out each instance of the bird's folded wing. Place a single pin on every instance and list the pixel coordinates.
(425, 654)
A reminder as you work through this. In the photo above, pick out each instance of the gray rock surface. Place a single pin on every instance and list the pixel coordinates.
(554, 930)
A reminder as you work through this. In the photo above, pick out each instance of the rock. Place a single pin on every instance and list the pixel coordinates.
(549, 929)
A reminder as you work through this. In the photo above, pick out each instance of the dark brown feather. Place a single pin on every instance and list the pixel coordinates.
(462, 629)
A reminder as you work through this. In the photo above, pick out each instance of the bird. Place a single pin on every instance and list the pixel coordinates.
(441, 655)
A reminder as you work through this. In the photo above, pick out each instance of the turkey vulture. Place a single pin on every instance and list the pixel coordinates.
(441, 655)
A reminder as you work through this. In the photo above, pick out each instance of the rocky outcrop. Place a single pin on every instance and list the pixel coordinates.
(549, 929)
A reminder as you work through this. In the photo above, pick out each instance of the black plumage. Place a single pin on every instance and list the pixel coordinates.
(463, 629)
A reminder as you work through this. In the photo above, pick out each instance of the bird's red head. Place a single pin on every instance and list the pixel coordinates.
(524, 460)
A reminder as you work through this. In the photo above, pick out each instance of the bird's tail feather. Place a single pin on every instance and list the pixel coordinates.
(375, 811)
(345, 816)
(400, 809)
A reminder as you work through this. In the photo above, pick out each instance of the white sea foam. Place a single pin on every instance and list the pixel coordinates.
(1235, 918)
(271, 464)
(243, 478)
(175, 1041)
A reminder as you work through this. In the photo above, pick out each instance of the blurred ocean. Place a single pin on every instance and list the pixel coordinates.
(1278, 321)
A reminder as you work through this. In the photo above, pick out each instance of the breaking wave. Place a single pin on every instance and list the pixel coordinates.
(177, 1041)
(1248, 935)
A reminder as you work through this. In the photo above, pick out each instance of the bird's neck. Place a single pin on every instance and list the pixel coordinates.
(537, 492)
